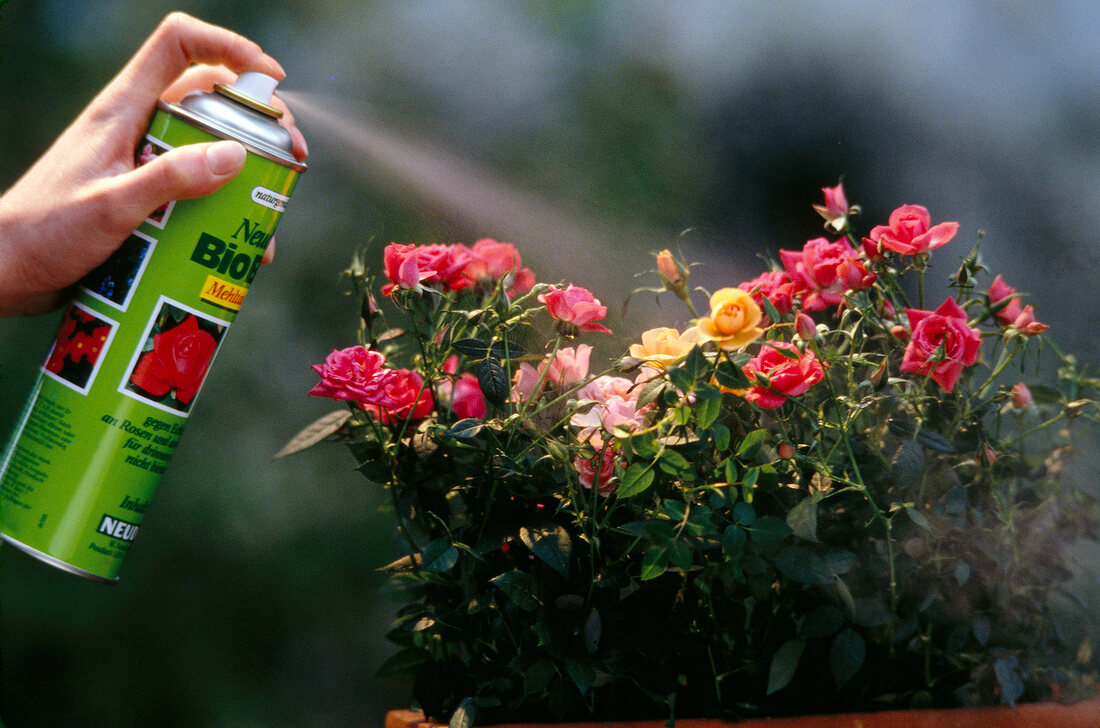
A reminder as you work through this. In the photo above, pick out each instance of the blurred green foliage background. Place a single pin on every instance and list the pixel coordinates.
(590, 134)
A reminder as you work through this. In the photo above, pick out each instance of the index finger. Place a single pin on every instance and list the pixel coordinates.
(181, 40)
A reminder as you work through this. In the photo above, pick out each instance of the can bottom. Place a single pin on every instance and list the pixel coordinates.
(57, 563)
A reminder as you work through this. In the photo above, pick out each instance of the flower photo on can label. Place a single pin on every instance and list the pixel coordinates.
(147, 150)
(116, 279)
(168, 369)
(77, 352)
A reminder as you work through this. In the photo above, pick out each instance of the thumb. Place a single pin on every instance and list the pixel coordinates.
(193, 170)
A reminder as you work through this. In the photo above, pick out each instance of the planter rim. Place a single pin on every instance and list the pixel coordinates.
(1083, 714)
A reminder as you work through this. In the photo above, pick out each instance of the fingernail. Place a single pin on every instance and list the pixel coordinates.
(296, 134)
(225, 157)
(275, 63)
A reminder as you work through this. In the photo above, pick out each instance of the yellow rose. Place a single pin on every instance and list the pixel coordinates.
(732, 323)
(660, 347)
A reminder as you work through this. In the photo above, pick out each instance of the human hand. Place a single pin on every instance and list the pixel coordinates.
(85, 195)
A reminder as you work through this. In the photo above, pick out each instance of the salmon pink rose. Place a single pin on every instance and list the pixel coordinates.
(494, 260)
(945, 327)
(409, 266)
(910, 232)
(575, 306)
(789, 373)
(733, 322)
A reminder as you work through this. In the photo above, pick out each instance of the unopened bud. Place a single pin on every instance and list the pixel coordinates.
(667, 266)
(1021, 396)
(786, 450)
(805, 327)
(899, 332)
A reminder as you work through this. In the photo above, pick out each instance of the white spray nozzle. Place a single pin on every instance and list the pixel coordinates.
(255, 85)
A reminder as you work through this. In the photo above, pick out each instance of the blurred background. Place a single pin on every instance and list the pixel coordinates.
(589, 134)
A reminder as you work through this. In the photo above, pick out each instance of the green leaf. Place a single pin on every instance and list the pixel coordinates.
(471, 347)
(519, 587)
(708, 405)
(820, 622)
(679, 555)
(846, 656)
(538, 676)
(917, 517)
(551, 543)
(721, 436)
(439, 556)
(744, 513)
(730, 376)
(769, 531)
(654, 563)
(466, 429)
(734, 540)
(673, 462)
(681, 379)
(784, 664)
(802, 565)
(581, 672)
(493, 380)
(637, 479)
(1008, 677)
(751, 443)
(507, 350)
(696, 366)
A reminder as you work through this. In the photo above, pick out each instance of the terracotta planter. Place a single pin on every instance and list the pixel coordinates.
(1035, 715)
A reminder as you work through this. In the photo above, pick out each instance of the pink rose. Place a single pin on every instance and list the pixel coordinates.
(493, 260)
(569, 366)
(823, 270)
(353, 374)
(774, 285)
(945, 327)
(1012, 314)
(616, 406)
(1020, 396)
(787, 376)
(401, 397)
(835, 209)
(524, 382)
(603, 478)
(575, 306)
(909, 233)
(461, 394)
(408, 266)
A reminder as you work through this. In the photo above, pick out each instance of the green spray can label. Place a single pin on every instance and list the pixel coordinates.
(135, 345)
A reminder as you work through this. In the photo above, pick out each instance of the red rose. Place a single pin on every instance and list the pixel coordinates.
(402, 396)
(789, 372)
(822, 271)
(179, 360)
(354, 374)
(945, 327)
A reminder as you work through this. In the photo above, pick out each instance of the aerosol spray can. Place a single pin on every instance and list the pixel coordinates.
(134, 347)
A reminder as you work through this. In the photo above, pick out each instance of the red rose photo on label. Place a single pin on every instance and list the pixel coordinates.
(82, 337)
(174, 358)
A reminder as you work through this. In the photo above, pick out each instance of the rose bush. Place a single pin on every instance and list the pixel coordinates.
(817, 495)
